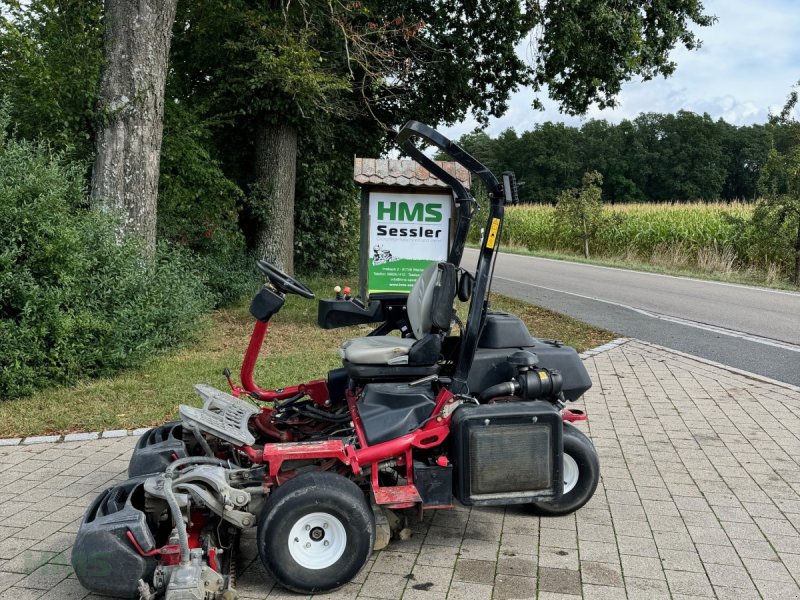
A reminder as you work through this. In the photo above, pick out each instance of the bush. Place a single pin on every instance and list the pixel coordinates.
(74, 302)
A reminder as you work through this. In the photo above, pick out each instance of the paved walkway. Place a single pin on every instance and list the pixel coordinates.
(700, 497)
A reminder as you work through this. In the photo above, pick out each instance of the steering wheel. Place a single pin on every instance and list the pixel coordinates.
(283, 282)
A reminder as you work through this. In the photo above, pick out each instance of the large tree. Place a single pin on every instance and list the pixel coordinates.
(270, 65)
(131, 110)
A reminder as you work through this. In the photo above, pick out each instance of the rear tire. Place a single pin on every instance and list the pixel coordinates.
(315, 532)
(581, 472)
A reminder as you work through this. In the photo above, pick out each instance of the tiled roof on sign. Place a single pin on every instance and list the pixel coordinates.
(404, 173)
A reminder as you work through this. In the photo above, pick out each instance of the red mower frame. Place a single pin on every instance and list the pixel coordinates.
(336, 454)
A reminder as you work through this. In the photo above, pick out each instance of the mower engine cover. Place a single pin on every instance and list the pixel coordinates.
(157, 448)
(507, 453)
(104, 559)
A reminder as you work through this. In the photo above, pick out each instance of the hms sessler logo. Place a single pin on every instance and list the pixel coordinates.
(397, 212)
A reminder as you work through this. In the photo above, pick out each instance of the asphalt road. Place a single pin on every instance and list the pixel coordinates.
(754, 329)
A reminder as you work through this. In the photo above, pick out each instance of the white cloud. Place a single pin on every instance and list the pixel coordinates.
(746, 67)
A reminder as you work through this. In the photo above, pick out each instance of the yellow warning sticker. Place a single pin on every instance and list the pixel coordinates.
(491, 239)
(543, 375)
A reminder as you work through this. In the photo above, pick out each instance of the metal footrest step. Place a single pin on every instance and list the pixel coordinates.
(222, 415)
(398, 496)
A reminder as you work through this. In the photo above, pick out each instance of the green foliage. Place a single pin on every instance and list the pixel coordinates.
(197, 205)
(589, 48)
(777, 216)
(50, 58)
(579, 212)
(659, 157)
(74, 302)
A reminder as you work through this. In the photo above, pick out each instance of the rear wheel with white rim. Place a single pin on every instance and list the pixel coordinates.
(315, 532)
(581, 473)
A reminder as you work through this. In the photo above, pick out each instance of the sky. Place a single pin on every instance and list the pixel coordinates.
(747, 65)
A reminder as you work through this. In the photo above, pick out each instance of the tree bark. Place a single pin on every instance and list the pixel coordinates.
(797, 256)
(585, 239)
(131, 102)
(275, 169)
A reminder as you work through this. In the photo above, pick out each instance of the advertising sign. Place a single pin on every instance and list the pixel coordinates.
(406, 233)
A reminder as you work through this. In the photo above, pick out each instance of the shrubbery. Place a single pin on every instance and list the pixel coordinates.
(74, 302)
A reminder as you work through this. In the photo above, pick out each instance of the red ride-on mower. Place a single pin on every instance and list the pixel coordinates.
(323, 469)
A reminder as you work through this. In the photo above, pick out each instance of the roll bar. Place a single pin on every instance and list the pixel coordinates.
(498, 197)
(453, 150)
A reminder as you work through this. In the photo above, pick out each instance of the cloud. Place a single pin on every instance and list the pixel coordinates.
(744, 70)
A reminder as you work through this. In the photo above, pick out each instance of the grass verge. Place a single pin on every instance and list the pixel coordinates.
(296, 350)
(751, 278)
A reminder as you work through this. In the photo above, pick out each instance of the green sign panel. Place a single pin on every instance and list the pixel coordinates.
(406, 233)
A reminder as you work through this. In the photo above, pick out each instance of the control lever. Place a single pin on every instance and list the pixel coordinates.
(423, 380)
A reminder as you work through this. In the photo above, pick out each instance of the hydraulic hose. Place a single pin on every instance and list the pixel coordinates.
(507, 388)
(172, 501)
(201, 440)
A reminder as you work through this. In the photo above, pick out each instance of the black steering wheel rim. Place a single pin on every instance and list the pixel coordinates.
(285, 283)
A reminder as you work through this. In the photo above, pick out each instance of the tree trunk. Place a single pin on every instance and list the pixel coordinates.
(797, 256)
(275, 168)
(585, 239)
(131, 102)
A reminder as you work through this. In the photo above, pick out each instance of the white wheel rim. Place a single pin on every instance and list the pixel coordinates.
(571, 473)
(317, 540)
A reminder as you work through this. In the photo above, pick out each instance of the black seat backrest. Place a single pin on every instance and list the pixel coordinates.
(444, 293)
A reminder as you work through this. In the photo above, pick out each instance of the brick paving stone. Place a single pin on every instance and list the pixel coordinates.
(384, 585)
(684, 582)
(563, 581)
(433, 579)
(514, 587)
(523, 566)
(461, 590)
(559, 558)
(601, 573)
(475, 571)
(16, 593)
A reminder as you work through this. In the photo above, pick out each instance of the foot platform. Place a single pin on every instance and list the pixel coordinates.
(222, 415)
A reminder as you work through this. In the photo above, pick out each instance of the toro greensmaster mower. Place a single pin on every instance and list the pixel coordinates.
(325, 471)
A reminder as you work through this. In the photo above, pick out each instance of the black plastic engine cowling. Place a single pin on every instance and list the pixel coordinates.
(104, 559)
(503, 335)
(157, 448)
(507, 453)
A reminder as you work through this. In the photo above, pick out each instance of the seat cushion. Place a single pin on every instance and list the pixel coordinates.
(377, 350)
(367, 373)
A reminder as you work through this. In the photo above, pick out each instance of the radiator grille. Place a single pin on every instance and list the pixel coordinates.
(510, 458)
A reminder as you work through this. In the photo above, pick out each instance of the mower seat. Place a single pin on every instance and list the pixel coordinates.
(430, 311)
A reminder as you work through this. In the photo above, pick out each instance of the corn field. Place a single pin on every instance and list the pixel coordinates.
(709, 236)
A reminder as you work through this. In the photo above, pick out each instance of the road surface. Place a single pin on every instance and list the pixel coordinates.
(750, 328)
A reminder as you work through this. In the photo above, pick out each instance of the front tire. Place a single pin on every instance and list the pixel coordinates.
(315, 532)
(581, 470)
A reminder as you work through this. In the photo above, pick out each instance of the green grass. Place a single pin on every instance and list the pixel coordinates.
(296, 350)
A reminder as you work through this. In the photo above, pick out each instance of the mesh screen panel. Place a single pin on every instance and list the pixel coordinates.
(510, 458)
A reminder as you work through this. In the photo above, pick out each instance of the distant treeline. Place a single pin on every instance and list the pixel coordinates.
(654, 157)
